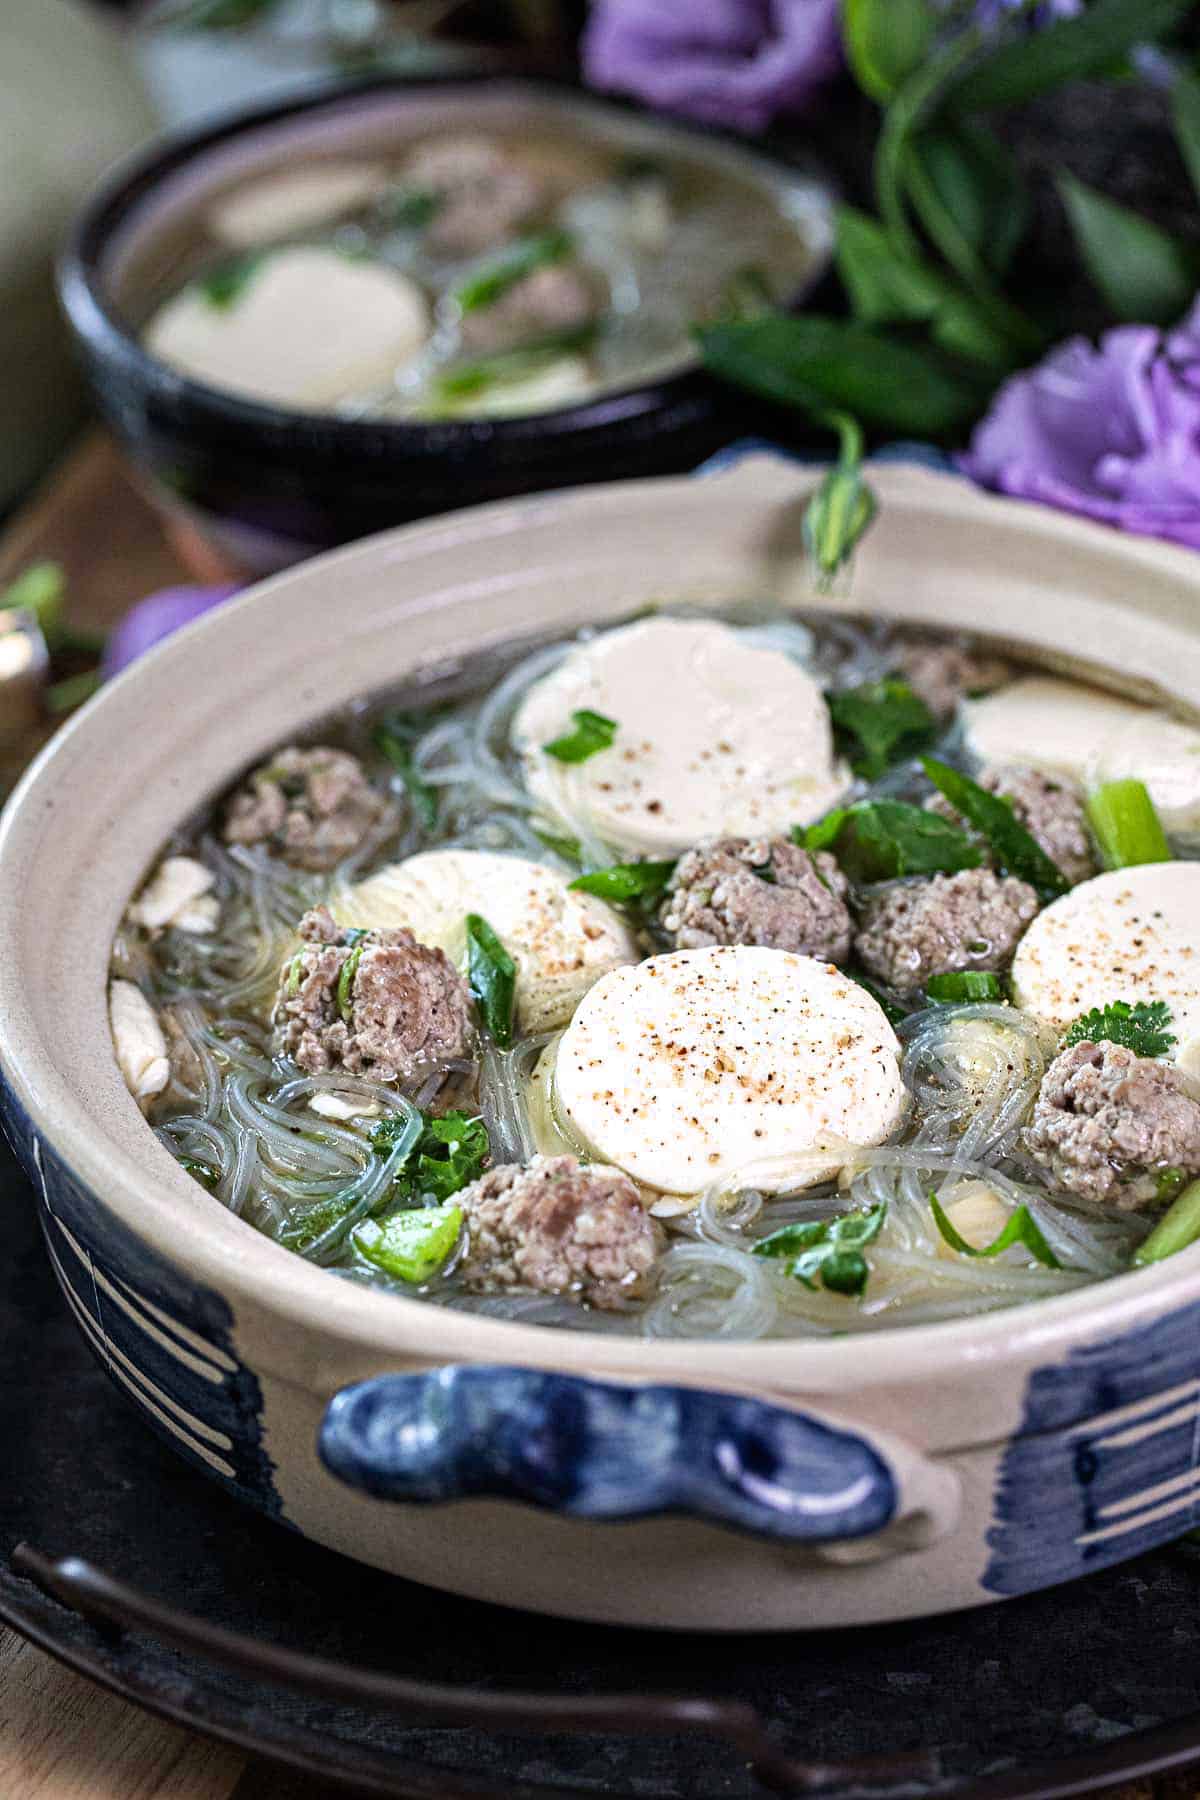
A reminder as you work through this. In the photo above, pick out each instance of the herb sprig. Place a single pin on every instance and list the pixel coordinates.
(1141, 1025)
(827, 1250)
(880, 722)
(879, 840)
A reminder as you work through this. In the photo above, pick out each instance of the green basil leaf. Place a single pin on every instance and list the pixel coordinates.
(1019, 68)
(885, 40)
(622, 882)
(489, 283)
(592, 733)
(493, 978)
(394, 739)
(1143, 273)
(963, 986)
(412, 1244)
(818, 363)
(1016, 851)
(881, 840)
(879, 723)
(1021, 1229)
(1143, 1027)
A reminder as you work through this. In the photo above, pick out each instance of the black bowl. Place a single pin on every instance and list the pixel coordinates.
(270, 485)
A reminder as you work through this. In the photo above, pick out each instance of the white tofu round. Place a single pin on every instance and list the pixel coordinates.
(716, 736)
(688, 1068)
(309, 329)
(275, 206)
(1092, 737)
(561, 941)
(1130, 934)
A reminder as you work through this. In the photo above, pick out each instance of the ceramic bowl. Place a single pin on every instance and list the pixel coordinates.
(269, 486)
(704, 1485)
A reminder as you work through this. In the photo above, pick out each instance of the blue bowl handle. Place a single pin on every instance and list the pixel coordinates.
(598, 1450)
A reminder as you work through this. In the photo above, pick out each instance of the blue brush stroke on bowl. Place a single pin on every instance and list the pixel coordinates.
(597, 1450)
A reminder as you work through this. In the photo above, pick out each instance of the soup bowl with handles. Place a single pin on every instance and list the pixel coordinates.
(690, 1484)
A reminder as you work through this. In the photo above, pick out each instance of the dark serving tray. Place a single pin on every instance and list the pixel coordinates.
(1059, 1694)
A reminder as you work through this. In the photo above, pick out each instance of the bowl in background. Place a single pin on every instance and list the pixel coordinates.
(270, 485)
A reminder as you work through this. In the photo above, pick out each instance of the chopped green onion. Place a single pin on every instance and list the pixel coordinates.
(1142, 1027)
(503, 272)
(394, 739)
(1175, 1230)
(964, 985)
(642, 881)
(880, 722)
(878, 840)
(521, 363)
(349, 969)
(592, 733)
(570, 849)
(1016, 850)
(1126, 826)
(412, 1244)
(493, 977)
(294, 975)
(1022, 1228)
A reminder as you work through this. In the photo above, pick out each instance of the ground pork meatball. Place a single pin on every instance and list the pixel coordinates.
(940, 674)
(557, 298)
(311, 807)
(1050, 808)
(759, 891)
(558, 1227)
(375, 1003)
(911, 930)
(482, 194)
(1108, 1123)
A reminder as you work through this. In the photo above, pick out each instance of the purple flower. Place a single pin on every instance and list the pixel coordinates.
(728, 62)
(1112, 432)
(156, 617)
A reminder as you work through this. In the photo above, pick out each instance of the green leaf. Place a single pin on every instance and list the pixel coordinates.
(41, 590)
(1015, 850)
(1174, 1231)
(346, 974)
(1185, 115)
(394, 738)
(411, 209)
(644, 882)
(412, 1244)
(977, 181)
(885, 284)
(489, 283)
(569, 848)
(592, 733)
(829, 1250)
(224, 286)
(1142, 1027)
(1143, 273)
(1022, 1228)
(493, 978)
(885, 40)
(963, 986)
(463, 379)
(450, 1152)
(881, 840)
(818, 363)
(1020, 67)
(1126, 825)
(879, 723)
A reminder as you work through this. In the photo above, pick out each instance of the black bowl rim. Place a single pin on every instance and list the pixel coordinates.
(105, 340)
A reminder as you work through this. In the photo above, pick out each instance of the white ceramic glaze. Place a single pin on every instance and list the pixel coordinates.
(980, 1423)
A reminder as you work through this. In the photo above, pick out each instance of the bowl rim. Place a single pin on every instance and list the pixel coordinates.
(103, 334)
(282, 1286)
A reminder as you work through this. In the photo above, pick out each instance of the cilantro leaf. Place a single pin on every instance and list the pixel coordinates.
(493, 977)
(394, 738)
(828, 1250)
(592, 732)
(644, 882)
(451, 1152)
(878, 840)
(1142, 1027)
(411, 1244)
(1021, 1229)
(880, 722)
(1016, 850)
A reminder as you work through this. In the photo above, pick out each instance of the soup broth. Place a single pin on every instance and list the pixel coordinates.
(723, 974)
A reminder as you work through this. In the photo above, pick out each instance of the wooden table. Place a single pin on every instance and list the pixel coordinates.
(60, 1737)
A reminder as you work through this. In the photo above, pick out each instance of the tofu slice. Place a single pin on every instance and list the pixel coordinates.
(716, 736)
(691, 1067)
(1130, 934)
(561, 941)
(277, 206)
(309, 329)
(1082, 732)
